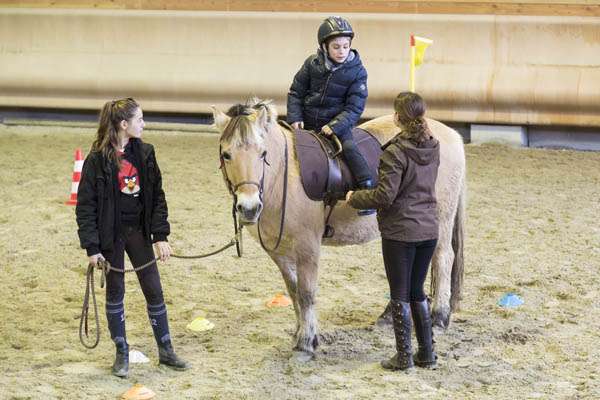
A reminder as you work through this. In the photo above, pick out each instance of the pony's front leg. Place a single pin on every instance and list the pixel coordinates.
(306, 338)
(441, 273)
(287, 267)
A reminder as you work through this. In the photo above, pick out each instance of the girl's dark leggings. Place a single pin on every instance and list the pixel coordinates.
(406, 265)
(131, 240)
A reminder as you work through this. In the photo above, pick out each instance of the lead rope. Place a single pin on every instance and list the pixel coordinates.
(83, 320)
(105, 268)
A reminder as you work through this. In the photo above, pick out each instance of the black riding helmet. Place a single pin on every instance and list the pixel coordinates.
(332, 27)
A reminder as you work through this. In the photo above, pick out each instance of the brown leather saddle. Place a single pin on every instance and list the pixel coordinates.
(323, 170)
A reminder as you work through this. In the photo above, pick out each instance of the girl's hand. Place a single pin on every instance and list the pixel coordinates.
(348, 195)
(298, 125)
(163, 249)
(95, 259)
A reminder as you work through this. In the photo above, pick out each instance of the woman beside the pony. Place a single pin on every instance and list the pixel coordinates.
(408, 221)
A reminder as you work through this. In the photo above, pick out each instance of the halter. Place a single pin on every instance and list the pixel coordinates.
(232, 188)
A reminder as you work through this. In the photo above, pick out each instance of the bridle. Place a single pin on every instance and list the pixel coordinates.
(232, 188)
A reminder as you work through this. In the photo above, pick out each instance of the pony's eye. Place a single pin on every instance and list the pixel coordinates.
(226, 156)
(263, 155)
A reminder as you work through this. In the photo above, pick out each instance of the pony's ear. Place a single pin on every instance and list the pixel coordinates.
(262, 116)
(221, 119)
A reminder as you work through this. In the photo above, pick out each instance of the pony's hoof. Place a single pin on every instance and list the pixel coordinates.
(385, 319)
(303, 356)
(440, 319)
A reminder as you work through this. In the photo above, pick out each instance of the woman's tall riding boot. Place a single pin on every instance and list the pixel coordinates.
(160, 327)
(115, 314)
(402, 330)
(425, 357)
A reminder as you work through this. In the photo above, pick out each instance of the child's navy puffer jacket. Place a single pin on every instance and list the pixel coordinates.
(328, 94)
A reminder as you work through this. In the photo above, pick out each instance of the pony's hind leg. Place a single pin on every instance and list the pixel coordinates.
(441, 272)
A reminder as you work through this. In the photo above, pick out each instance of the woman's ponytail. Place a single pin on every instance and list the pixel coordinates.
(410, 111)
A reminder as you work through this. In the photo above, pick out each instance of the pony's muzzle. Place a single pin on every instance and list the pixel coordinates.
(249, 208)
(249, 215)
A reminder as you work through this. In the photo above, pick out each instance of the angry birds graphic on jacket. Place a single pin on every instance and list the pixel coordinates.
(128, 179)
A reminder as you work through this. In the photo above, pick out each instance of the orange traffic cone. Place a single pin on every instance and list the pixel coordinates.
(280, 300)
(76, 177)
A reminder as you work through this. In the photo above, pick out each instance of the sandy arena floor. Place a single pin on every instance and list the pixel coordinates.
(532, 229)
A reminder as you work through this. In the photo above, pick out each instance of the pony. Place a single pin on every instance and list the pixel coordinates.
(261, 171)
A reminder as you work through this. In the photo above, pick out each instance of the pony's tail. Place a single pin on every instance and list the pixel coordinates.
(458, 266)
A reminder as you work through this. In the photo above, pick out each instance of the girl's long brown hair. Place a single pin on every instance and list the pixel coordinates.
(410, 110)
(111, 115)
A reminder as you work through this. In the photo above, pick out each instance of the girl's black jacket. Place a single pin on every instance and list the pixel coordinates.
(97, 211)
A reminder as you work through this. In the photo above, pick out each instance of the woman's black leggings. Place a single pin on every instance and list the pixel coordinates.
(406, 265)
(132, 241)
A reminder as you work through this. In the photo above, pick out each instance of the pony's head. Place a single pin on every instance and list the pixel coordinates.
(243, 153)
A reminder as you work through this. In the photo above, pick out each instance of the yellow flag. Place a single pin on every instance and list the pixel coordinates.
(417, 53)
(420, 44)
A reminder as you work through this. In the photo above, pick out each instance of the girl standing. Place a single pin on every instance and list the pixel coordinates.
(121, 207)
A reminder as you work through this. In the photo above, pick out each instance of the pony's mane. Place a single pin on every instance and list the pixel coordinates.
(239, 129)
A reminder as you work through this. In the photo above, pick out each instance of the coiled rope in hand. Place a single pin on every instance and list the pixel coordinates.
(105, 268)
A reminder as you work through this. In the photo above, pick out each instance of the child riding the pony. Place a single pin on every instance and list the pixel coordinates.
(329, 93)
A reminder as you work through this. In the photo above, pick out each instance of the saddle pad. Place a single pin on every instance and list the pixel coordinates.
(314, 166)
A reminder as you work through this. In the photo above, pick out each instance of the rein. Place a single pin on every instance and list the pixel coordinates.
(283, 201)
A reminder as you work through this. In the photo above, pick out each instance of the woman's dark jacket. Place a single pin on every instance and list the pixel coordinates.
(405, 192)
(97, 211)
(325, 93)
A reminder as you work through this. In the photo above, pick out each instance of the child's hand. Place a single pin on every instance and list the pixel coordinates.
(348, 195)
(326, 130)
(298, 125)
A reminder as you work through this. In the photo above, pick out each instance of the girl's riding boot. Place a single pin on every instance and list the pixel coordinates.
(167, 356)
(425, 357)
(402, 330)
(115, 314)
(120, 367)
(160, 327)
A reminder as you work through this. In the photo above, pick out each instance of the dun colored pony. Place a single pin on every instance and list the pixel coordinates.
(254, 152)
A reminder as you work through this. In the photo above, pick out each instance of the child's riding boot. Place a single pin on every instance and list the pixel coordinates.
(366, 184)
(425, 357)
(160, 327)
(402, 330)
(115, 314)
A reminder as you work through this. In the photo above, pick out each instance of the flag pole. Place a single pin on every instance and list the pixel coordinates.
(411, 81)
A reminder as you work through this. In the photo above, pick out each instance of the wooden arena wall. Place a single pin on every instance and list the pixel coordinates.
(505, 68)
